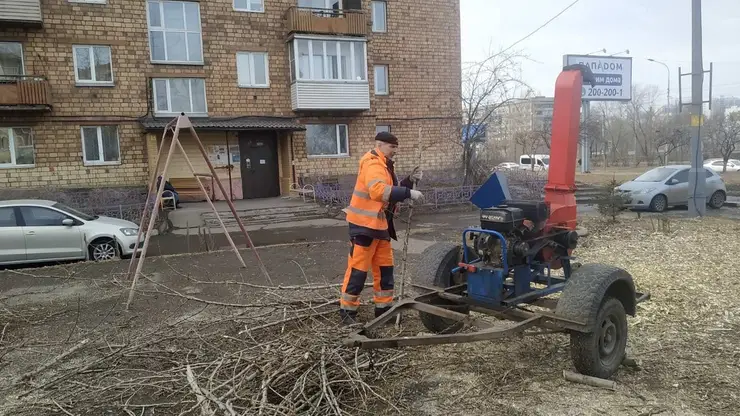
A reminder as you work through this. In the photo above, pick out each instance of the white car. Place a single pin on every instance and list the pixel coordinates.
(35, 231)
(733, 165)
(507, 166)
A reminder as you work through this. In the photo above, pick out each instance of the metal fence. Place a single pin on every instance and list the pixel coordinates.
(334, 195)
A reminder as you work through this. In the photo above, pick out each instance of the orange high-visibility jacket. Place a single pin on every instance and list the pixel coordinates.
(376, 188)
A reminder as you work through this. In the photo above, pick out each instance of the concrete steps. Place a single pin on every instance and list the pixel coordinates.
(266, 216)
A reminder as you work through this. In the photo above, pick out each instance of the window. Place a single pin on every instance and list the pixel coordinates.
(382, 128)
(323, 7)
(176, 95)
(174, 32)
(252, 69)
(93, 65)
(42, 217)
(327, 140)
(88, 1)
(249, 5)
(682, 176)
(381, 79)
(16, 147)
(332, 60)
(11, 58)
(709, 173)
(100, 145)
(378, 15)
(7, 217)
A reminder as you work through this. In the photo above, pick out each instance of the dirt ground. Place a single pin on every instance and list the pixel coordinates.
(685, 339)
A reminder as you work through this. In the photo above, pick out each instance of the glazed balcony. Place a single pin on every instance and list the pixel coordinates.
(24, 93)
(326, 21)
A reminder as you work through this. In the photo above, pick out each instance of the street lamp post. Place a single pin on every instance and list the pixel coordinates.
(669, 80)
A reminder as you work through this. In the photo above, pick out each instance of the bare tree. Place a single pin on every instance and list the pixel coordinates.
(643, 116)
(529, 141)
(671, 134)
(616, 132)
(487, 86)
(724, 133)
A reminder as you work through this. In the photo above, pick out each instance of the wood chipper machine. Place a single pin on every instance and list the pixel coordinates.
(504, 268)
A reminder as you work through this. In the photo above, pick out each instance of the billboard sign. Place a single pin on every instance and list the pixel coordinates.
(613, 77)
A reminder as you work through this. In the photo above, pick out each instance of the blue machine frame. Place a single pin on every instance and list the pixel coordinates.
(492, 286)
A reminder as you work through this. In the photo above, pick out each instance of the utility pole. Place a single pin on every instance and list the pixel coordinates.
(697, 178)
(585, 143)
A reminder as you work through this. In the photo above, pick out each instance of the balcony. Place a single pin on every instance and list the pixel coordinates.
(21, 13)
(24, 93)
(326, 21)
(328, 73)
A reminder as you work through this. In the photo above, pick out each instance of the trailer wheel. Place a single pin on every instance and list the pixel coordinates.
(601, 352)
(435, 269)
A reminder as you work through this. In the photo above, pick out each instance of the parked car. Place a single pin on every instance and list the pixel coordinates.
(507, 166)
(667, 186)
(733, 165)
(34, 231)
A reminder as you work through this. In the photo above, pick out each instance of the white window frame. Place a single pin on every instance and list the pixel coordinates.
(387, 80)
(252, 83)
(374, 17)
(249, 5)
(11, 145)
(92, 82)
(338, 138)
(100, 161)
(164, 30)
(169, 111)
(23, 59)
(353, 42)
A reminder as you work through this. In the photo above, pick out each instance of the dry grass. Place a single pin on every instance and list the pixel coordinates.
(685, 339)
(207, 339)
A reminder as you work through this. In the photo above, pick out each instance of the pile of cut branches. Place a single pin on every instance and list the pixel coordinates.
(269, 360)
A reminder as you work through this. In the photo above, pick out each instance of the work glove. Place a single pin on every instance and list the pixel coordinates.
(416, 174)
(416, 195)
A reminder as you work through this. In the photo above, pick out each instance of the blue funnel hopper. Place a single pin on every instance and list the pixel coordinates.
(493, 192)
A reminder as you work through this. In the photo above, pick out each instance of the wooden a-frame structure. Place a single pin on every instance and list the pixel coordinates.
(151, 210)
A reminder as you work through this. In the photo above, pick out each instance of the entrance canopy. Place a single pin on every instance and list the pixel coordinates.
(229, 123)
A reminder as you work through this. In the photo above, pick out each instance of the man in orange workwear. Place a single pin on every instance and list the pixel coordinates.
(370, 218)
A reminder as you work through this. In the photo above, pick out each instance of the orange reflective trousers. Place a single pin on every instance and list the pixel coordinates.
(367, 254)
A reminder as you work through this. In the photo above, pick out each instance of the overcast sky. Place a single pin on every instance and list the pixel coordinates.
(658, 29)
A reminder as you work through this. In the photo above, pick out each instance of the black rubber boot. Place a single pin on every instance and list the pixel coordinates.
(380, 311)
(348, 317)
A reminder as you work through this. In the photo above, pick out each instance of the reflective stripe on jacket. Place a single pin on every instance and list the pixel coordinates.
(376, 188)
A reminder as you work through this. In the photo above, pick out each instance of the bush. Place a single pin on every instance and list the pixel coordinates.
(612, 202)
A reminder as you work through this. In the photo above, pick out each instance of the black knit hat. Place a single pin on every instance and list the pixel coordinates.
(387, 137)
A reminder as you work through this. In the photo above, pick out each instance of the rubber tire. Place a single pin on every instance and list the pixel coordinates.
(434, 270)
(584, 348)
(711, 203)
(654, 207)
(116, 248)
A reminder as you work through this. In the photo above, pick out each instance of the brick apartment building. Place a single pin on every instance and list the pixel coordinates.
(280, 91)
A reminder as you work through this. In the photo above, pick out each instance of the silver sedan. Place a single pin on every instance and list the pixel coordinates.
(668, 186)
(34, 231)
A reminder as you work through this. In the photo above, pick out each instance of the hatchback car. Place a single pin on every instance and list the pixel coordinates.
(667, 186)
(35, 231)
(717, 165)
